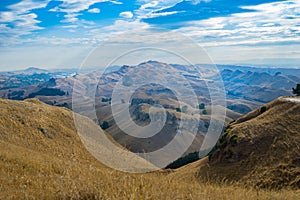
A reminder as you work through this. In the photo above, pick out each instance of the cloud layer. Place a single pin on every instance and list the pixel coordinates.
(216, 25)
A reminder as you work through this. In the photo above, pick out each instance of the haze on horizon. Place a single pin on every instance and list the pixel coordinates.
(53, 34)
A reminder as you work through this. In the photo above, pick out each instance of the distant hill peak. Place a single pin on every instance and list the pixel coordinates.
(30, 69)
(151, 62)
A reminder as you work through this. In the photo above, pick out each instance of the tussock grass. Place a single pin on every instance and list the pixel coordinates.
(35, 166)
(28, 174)
(261, 149)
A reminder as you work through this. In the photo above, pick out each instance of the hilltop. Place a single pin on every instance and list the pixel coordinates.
(260, 149)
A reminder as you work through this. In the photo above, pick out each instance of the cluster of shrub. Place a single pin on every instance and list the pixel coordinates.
(104, 125)
(106, 99)
(201, 106)
(47, 92)
(191, 157)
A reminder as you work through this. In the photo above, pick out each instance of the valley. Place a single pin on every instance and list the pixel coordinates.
(245, 91)
(41, 156)
(44, 137)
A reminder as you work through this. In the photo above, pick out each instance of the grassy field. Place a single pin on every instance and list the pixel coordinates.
(41, 157)
(29, 174)
(261, 148)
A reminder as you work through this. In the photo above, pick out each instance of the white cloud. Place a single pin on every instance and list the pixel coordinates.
(72, 26)
(75, 6)
(70, 18)
(149, 9)
(28, 5)
(158, 4)
(271, 23)
(23, 25)
(126, 14)
(7, 16)
(116, 2)
(55, 9)
(151, 4)
(119, 27)
(195, 2)
(19, 20)
(94, 10)
(160, 14)
(72, 8)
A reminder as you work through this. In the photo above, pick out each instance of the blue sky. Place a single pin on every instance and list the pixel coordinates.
(53, 34)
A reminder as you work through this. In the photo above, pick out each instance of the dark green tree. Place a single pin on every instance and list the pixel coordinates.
(106, 99)
(104, 125)
(178, 109)
(202, 106)
(191, 157)
(296, 90)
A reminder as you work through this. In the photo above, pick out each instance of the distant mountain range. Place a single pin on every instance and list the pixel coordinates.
(258, 86)
(245, 90)
(246, 87)
(30, 76)
(269, 70)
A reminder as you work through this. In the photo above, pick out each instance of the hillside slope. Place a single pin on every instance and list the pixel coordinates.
(261, 149)
(42, 157)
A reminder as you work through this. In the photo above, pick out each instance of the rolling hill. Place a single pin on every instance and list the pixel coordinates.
(257, 86)
(247, 87)
(42, 157)
(246, 90)
(261, 148)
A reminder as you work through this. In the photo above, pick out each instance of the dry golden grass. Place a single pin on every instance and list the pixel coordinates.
(28, 174)
(261, 149)
(55, 165)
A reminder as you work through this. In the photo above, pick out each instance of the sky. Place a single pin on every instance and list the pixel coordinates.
(61, 34)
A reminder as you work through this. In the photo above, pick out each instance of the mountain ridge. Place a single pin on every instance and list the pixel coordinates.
(261, 148)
